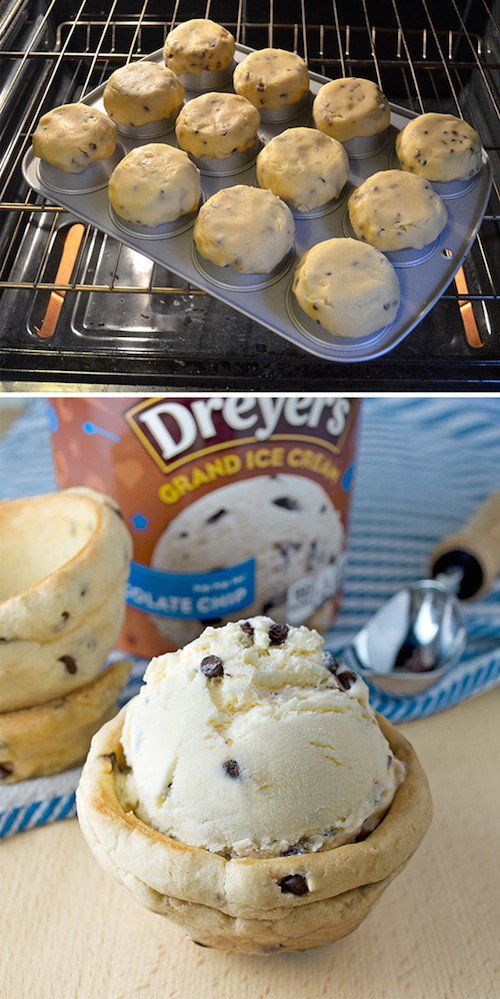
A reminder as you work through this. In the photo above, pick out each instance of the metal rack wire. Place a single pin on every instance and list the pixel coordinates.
(429, 66)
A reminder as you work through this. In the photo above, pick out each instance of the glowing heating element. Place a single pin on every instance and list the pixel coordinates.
(467, 312)
(63, 276)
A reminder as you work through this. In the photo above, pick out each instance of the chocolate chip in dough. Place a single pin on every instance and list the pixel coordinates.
(247, 628)
(294, 884)
(278, 634)
(69, 662)
(231, 768)
(211, 666)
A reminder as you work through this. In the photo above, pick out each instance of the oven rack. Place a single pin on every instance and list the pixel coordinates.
(430, 67)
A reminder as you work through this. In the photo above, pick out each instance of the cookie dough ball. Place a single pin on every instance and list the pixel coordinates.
(73, 136)
(303, 166)
(271, 78)
(394, 210)
(154, 184)
(287, 523)
(245, 227)
(141, 93)
(347, 287)
(351, 108)
(439, 147)
(217, 125)
(198, 45)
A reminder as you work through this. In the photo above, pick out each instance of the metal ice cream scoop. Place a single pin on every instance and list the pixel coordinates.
(419, 633)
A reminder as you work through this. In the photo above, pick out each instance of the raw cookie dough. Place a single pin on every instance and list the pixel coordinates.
(141, 93)
(286, 522)
(303, 166)
(74, 135)
(351, 107)
(217, 125)
(198, 45)
(347, 287)
(245, 227)
(154, 184)
(271, 78)
(439, 147)
(393, 210)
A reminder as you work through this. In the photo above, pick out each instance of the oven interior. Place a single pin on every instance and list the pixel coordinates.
(80, 309)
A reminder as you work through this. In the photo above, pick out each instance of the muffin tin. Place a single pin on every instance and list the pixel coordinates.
(268, 299)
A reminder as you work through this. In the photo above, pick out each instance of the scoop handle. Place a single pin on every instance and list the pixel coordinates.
(475, 548)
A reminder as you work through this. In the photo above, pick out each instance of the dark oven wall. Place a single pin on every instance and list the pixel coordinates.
(122, 321)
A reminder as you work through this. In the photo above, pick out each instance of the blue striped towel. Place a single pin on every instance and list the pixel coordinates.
(423, 466)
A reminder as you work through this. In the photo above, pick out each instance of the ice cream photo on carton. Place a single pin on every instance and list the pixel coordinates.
(250, 793)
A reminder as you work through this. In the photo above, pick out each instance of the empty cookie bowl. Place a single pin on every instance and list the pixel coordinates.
(256, 906)
(65, 560)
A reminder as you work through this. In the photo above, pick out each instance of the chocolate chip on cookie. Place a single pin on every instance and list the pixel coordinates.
(70, 663)
(295, 884)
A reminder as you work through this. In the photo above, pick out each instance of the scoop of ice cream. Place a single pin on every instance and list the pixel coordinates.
(254, 741)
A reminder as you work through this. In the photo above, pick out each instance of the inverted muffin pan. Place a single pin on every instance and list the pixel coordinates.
(268, 299)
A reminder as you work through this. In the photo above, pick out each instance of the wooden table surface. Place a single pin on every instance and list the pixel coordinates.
(68, 931)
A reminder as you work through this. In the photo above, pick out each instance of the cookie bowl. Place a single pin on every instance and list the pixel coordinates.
(256, 906)
(65, 560)
(48, 738)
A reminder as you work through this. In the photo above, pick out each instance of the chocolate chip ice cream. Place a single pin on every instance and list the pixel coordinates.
(254, 741)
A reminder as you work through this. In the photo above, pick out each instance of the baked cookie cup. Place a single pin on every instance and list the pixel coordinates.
(65, 560)
(256, 906)
(49, 738)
